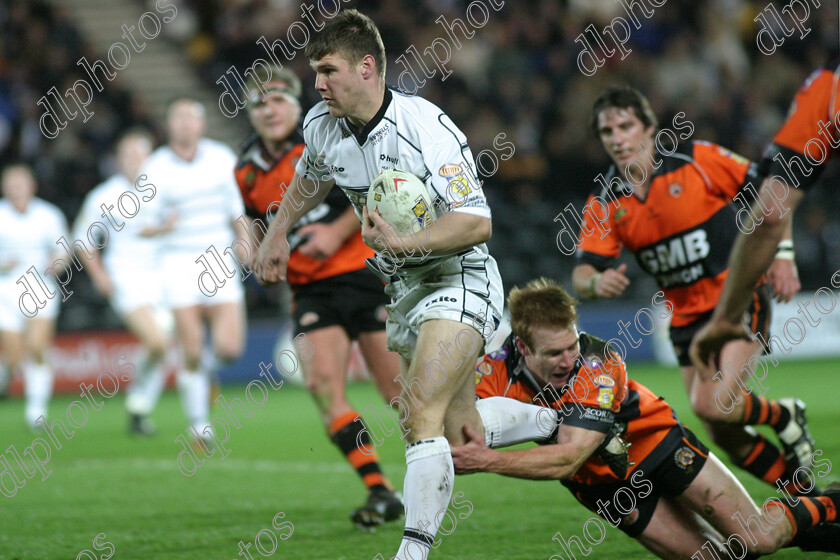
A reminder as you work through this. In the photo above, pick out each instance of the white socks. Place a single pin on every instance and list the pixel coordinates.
(427, 489)
(194, 388)
(38, 390)
(508, 422)
(144, 392)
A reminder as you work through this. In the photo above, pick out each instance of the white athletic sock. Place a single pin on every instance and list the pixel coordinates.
(194, 387)
(144, 392)
(508, 421)
(426, 492)
(39, 383)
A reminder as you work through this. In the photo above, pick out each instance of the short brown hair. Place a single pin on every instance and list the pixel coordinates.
(541, 303)
(622, 97)
(351, 34)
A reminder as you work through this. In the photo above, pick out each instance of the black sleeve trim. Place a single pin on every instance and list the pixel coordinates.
(797, 172)
(600, 262)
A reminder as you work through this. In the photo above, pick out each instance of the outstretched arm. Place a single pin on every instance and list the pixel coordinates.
(548, 462)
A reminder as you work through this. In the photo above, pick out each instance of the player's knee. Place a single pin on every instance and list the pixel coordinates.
(706, 410)
(228, 352)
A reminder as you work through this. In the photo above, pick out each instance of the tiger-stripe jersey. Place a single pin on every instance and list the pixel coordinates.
(682, 232)
(594, 398)
(263, 182)
(812, 129)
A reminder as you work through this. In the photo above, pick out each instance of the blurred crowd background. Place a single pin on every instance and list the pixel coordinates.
(518, 76)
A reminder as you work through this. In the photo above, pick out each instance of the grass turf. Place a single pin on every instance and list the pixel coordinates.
(130, 489)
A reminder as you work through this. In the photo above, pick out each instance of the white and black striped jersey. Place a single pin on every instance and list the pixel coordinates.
(407, 133)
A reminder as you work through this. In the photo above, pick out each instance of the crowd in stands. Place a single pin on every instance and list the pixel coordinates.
(517, 75)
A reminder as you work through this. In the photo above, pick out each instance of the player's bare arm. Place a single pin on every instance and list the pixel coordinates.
(590, 283)
(273, 256)
(326, 239)
(548, 462)
(451, 233)
(750, 257)
(783, 275)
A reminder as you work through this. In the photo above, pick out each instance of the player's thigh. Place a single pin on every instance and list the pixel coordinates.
(462, 412)
(720, 498)
(143, 324)
(326, 367)
(443, 373)
(12, 347)
(39, 336)
(675, 533)
(227, 328)
(384, 365)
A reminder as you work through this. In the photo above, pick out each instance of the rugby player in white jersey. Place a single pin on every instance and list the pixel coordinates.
(195, 210)
(446, 292)
(128, 274)
(29, 230)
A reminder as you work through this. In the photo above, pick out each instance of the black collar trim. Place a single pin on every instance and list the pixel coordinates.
(361, 136)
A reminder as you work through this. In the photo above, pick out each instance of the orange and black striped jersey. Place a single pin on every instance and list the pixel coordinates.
(811, 133)
(263, 182)
(683, 230)
(597, 396)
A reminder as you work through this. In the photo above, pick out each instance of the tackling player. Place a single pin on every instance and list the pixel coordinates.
(443, 303)
(128, 275)
(812, 128)
(194, 212)
(674, 211)
(673, 495)
(29, 230)
(336, 299)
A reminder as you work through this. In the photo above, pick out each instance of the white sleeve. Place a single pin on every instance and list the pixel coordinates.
(234, 197)
(311, 163)
(451, 164)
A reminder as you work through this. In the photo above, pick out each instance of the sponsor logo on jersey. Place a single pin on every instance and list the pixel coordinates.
(379, 135)
(620, 213)
(499, 354)
(605, 397)
(345, 133)
(421, 212)
(675, 253)
(675, 189)
(482, 370)
(389, 159)
(442, 299)
(308, 318)
(458, 187)
(596, 414)
(684, 457)
(251, 179)
(732, 155)
(605, 381)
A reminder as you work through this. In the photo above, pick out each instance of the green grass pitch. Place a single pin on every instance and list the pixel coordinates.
(130, 489)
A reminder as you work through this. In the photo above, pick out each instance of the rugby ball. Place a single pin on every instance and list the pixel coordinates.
(402, 200)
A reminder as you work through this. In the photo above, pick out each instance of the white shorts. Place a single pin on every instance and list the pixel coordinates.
(12, 318)
(466, 289)
(134, 289)
(187, 283)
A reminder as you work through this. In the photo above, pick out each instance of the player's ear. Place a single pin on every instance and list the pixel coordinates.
(368, 67)
(522, 347)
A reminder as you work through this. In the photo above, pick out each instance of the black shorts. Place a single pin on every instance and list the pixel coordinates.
(354, 301)
(668, 471)
(756, 318)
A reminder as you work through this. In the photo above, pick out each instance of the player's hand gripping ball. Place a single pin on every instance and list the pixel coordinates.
(402, 201)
